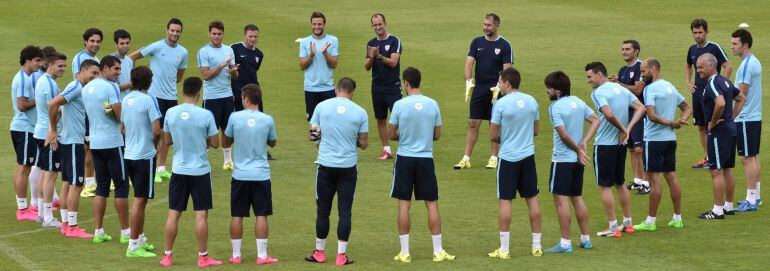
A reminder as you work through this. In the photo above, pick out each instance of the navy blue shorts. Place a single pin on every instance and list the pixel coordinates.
(566, 179)
(414, 174)
(183, 187)
(246, 196)
(47, 159)
(749, 136)
(481, 103)
(221, 108)
(518, 176)
(164, 105)
(610, 165)
(383, 98)
(73, 163)
(636, 135)
(312, 99)
(25, 146)
(110, 167)
(659, 156)
(142, 176)
(698, 116)
(721, 151)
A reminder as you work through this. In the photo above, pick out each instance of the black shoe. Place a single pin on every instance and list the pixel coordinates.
(633, 186)
(269, 157)
(731, 212)
(711, 215)
(643, 190)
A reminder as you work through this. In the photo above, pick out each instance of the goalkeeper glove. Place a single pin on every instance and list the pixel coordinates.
(468, 88)
(495, 92)
(315, 133)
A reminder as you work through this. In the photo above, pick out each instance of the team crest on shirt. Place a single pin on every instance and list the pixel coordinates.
(80, 179)
(573, 104)
(497, 51)
(251, 122)
(520, 103)
(616, 90)
(341, 109)
(631, 74)
(130, 102)
(31, 160)
(185, 115)
(91, 90)
(418, 106)
(178, 58)
(387, 47)
(257, 59)
(56, 165)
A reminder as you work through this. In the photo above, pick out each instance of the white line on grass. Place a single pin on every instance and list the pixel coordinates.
(18, 257)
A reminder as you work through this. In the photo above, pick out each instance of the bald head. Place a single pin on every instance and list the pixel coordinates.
(706, 65)
(650, 69)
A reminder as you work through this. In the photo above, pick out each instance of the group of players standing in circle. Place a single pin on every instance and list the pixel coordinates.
(123, 119)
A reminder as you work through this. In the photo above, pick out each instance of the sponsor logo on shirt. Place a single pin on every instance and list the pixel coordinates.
(418, 106)
(251, 122)
(520, 103)
(341, 109)
(185, 115)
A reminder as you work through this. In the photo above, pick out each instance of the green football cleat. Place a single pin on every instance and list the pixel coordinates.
(404, 258)
(147, 246)
(443, 256)
(498, 253)
(101, 238)
(645, 227)
(139, 253)
(124, 239)
(676, 224)
(165, 175)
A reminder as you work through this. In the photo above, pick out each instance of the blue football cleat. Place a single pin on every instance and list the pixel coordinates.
(746, 206)
(559, 249)
(586, 244)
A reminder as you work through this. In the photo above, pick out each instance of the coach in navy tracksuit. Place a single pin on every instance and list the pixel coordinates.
(249, 57)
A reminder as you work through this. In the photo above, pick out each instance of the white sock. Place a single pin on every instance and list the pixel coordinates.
(404, 239)
(387, 149)
(72, 218)
(565, 243)
(627, 221)
(99, 232)
(262, 248)
(34, 179)
(751, 196)
(585, 237)
(493, 157)
(47, 211)
(613, 225)
(759, 196)
(33, 199)
(677, 217)
(505, 239)
(638, 181)
(536, 240)
(133, 244)
(168, 252)
(650, 220)
(646, 183)
(728, 206)
(41, 208)
(342, 247)
(21, 203)
(161, 169)
(719, 210)
(64, 215)
(437, 248)
(466, 158)
(90, 181)
(203, 253)
(125, 232)
(142, 239)
(228, 154)
(55, 195)
(236, 243)
(320, 244)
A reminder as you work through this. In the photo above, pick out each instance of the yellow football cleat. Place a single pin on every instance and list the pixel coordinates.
(88, 191)
(463, 164)
(228, 166)
(492, 163)
(537, 252)
(404, 258)
(443, 256)
(498, 253)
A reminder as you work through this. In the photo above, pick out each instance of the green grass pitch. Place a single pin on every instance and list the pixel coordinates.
(546, 36)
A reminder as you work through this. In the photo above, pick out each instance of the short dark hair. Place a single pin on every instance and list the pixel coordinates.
(141, 78)
(121, 34)
(378, 15)
(558, 80)
(494, 17)
(108, 61)
(30, 52)
(346, 84)
(217, 24)
(635, 45)
(48, 50)
(191, 86)
(744, 36)
(253, 92)
(512, 76)
(317, 14)
(653, 62)
(698, 23)
(596, 67)
(92, 31)
(174, 21)
(88, 63)
(250, 27)
(412, 76)
(54, 57)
